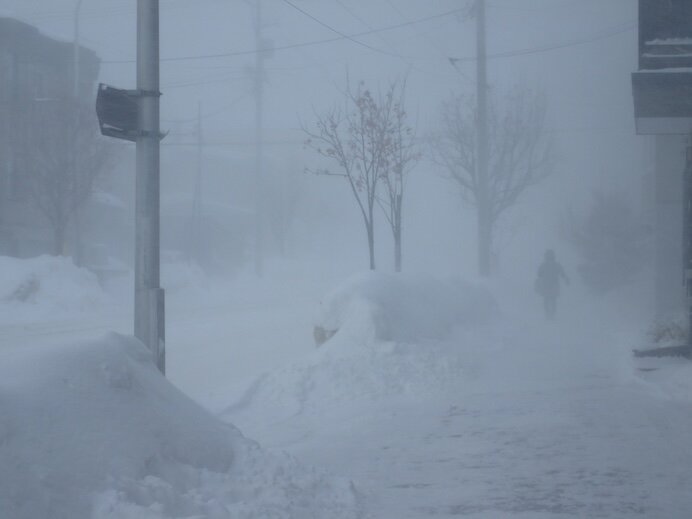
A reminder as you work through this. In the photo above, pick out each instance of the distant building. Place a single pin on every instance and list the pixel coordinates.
(34, 69)
(662, 90)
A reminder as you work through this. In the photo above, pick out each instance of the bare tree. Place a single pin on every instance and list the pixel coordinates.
(520, 155)
(359, 138)
(402, 155)
(64, 155)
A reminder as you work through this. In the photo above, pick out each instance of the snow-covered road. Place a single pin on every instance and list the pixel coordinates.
(589, 451)
(533, 420)
(555, 423)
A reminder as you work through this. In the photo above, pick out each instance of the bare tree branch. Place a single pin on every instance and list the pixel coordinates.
(520, 153)
(64, 155)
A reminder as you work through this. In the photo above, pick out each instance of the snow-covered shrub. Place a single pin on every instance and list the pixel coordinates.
(668, 333)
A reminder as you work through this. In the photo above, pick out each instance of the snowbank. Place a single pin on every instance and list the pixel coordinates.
(398, 336)
(404, 308)
(46, 287)
(92, 430)
(669, 378)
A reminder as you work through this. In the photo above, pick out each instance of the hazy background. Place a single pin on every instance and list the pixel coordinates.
(580, 52)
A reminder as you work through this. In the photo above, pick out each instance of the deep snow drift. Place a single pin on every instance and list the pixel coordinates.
(431, 399)
(396, 336)
(473, 412)
(47, 288)
(94, 430)
(404, 308)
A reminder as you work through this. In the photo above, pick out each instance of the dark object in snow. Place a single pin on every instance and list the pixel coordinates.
(668, 351)
(547, 284)
(118, 112)
(25, 291)
(321, 335)
(668, 332)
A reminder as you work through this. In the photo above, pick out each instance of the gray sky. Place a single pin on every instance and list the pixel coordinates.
(581, 52)
(309, 75)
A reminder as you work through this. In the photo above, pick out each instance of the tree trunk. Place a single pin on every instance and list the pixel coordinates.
(59, 239)
(485, 233)
(78, 252)
(397, 249)
(397, 233)
(371, 243)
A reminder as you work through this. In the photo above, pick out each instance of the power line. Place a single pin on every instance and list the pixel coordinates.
(546, 48)
(296, 45)
(246, 144)
(367, 25)
(212, 113)
(200, 82)
(323, 24)
(433, 45)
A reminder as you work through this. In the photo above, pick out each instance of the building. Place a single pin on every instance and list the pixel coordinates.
(34, 70)
(662, 90)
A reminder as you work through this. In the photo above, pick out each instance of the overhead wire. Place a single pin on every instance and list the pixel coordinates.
(210, 114)
(336, 31)
(609, 33)
(295, 45)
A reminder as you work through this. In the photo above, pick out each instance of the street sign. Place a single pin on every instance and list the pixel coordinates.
(661, 102)
(117, 111)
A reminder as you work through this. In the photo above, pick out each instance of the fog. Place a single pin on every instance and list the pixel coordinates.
(586, 83)
(451, 388)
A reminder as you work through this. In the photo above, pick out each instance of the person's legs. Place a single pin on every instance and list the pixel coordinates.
(550, 306)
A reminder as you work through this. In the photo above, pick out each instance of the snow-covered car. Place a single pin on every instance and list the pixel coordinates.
(401, 307)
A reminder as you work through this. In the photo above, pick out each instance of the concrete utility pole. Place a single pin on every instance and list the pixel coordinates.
(259, 173)
(484, 216)
(197, 240)
(75, 51)
(76, 164)
(149, 296)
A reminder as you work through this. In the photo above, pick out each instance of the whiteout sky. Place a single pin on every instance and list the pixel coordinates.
(432, 398)
(579, 52)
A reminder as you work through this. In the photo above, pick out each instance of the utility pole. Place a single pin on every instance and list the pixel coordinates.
(259, 173)
(149, 296)
(75, 52)
(484, 216)
(197, 241)
(76, 164)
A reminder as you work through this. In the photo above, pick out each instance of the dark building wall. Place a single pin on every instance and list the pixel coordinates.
(34, 69)
(663, 20)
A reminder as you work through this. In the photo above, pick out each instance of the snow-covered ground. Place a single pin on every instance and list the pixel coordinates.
(436, 398)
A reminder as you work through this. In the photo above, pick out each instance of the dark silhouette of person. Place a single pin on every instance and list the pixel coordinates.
(550, 273)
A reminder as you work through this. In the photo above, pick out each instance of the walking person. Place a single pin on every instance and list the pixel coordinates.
(550, 274)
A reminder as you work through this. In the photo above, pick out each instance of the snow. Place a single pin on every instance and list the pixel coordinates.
(397, 337)
(47, 288)
(435, 398)
(108, 199)
(670, 41)
(94, 430)
(404, 308)
(498, 416)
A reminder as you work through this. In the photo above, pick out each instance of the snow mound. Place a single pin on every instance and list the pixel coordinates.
(46, 287)
(404, 308)
(183, 277)
(93, 430)
(398, 336)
